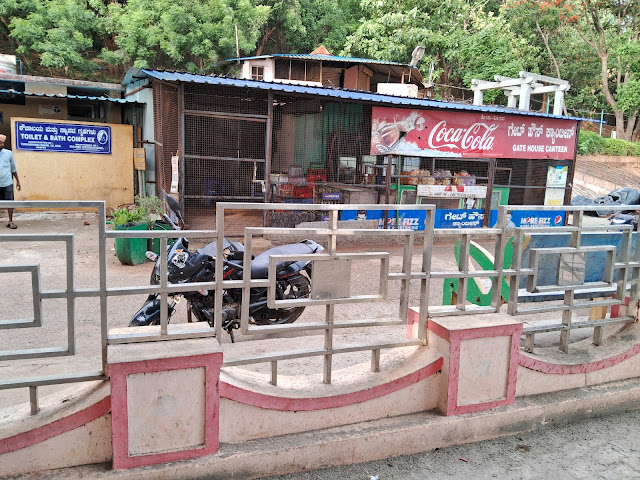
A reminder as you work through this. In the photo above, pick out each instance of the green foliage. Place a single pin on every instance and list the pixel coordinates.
(326, 22)
(628, 96)
(142, 211)
(63, 33)
(589, 143)
(182, 34)
(461, 40)
(617, 147)
(634, 149)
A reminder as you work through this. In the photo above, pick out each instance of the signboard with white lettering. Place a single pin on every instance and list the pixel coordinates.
(63, 137)
(336, 196)
(407, 219)
(436, 133)
(536, 218)
(458, 191)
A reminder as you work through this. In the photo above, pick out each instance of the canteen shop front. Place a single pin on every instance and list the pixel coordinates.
(228, 139)
(469, 163)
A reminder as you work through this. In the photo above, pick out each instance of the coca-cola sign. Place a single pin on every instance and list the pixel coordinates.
(435, 133)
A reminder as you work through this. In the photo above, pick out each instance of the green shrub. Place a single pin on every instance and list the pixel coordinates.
(590, 143)
(614, 146)
(634, 149)
(139, 212)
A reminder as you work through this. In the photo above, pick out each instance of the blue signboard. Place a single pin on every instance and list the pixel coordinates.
(63, 137)
(332, 196)
(536, 218)
(459, 218)
(415, 219)
(407, 219)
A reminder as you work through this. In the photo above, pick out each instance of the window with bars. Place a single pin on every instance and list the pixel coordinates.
(257, 73)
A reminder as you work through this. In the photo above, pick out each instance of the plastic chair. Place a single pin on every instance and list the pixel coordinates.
(212, 188)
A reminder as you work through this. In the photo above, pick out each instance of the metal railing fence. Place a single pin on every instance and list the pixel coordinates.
(330, 287)
(70, 293)
(332, 291)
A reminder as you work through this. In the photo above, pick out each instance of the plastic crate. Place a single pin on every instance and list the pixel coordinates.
(303, 192)
(316, 175)
(286, 190)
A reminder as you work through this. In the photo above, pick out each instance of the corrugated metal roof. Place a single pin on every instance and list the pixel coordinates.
(390, 100)
(77, 97)
(324, 58)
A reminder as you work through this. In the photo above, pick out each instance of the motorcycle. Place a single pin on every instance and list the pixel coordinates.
(293, 280)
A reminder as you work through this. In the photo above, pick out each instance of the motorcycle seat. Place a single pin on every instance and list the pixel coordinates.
(260, 264)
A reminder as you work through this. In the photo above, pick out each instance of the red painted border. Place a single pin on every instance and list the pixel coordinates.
(554, 368)
(438, 329)
(455, 338)
(247, 397)
(40, 434)
(454, 371)
(120, 419)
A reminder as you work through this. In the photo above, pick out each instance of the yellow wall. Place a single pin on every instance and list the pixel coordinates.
(78, 176)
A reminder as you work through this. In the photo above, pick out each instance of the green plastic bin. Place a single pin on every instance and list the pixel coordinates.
(131, 251)
(154, 243)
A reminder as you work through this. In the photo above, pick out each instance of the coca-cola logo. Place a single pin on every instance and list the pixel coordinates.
(476, 137)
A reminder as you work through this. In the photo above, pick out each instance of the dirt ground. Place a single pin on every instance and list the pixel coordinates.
(16, 298)
(606, 448)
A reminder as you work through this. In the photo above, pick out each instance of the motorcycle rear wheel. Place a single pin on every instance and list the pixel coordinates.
(281, 316)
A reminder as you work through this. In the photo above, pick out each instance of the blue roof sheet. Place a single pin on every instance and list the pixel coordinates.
(343, 94)
(324, 58)
(78, 97)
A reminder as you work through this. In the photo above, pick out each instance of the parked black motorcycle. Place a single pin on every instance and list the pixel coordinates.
(184, 266)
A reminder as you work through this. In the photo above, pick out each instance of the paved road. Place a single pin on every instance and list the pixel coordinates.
(601, 448)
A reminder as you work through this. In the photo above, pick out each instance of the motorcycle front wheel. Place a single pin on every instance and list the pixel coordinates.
(299, 288)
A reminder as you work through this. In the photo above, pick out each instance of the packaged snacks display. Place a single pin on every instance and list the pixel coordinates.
(463, 178)
(442, 177)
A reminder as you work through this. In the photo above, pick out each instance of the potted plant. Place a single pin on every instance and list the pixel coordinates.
(143, 214)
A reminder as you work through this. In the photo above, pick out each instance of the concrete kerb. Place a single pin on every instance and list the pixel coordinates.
(382, 438)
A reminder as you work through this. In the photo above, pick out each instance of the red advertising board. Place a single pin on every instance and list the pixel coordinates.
(437, 133)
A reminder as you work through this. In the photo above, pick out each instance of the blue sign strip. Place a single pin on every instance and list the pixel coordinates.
(63, 137)
(415, 219)
(537, 218)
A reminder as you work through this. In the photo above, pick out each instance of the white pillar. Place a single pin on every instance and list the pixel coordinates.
(477, 97)
(525, 95)
(558, 102)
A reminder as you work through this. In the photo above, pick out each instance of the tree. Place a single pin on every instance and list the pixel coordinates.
(611, 29)
(326, 22)
(182, 34)
(63, 33)
(460, 39)
(284, 16)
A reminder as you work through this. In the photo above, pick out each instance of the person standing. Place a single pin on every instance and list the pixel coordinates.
(8, 172)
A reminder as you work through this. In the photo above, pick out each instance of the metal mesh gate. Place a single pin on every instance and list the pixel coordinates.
(224, 146)
(166, 120)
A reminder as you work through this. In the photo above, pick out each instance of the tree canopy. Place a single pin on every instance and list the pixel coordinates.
(591, 43)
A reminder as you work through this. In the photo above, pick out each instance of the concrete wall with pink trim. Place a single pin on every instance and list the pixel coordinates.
(169, 401)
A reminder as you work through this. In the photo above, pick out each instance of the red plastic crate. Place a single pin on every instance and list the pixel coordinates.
(314, 175)
(303, 192)
(287, 189)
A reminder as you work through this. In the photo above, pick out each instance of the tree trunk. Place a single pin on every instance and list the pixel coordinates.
(267, 36)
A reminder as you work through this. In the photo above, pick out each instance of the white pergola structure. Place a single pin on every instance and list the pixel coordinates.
(520, 89)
